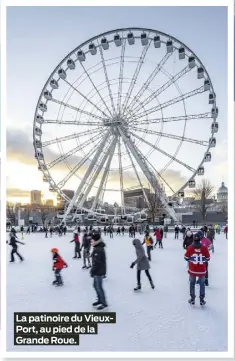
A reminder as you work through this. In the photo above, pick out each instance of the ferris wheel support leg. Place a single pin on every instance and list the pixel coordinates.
(103, 179)
(81, 185)
(91, 183)
(123, 211)
(149, 175)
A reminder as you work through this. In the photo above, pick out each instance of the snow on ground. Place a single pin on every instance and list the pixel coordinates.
(150, 320)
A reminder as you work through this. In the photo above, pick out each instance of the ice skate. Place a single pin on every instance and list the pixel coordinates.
(202, 301)
(192, 301)
(206, 282)
(138, 287)
(102, 306)
(152, 285)
(97, 303)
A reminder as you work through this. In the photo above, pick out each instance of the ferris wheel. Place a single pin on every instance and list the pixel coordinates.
(128, 109)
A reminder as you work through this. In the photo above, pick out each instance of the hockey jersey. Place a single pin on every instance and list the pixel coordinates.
(197, 258)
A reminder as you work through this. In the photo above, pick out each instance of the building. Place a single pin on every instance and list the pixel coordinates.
(49, 202)
(222, 193)
(69, 193)
(135, 198)
(36, 197)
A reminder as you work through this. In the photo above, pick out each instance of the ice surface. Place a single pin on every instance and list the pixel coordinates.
(150, 320)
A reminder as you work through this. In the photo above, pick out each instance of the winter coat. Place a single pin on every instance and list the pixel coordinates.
(58, 262)
(187, 241)
(197, 256)
(13, 241)
(206, 242)
(158, 235)
(98, 259)
(76, 238)
(141, 261)
(86, 241)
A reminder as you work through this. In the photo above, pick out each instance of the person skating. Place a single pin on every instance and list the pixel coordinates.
(211, 236)
(118, 231)
(98, 270)
(177, 232)
(142, 264)
(158, 238)
(77, 252)
(197, 255)
(28, 230)
(13, 243)
(207, 243)
(188, 239)
(105, 230)
(51, 232)
(226, 231)
(123, 230)
(86, 245)
(165, 230)
(149, 244)
(58, 265)
(65, 230)
(110, 231)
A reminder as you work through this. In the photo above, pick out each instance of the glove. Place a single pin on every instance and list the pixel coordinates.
(132, 265)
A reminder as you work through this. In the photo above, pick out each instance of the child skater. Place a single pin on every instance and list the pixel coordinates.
(58, 265)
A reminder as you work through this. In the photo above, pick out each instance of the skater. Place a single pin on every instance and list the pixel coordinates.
(65, 230)
(142, 264)
(110, 231)
(28, 231)
(165, 230)
(79, 230)
(98, 270)
(51, 231)
(183, 231)
(149, 244)
(207, 243)
(177, 231)
(46, 232)
(118, 231)
(77, 252)
(123, 230)
(188, 240)
(160, 242)
(105, 230)
(86, 245)
(13, 243)
(211, 235)
(58, 265)
(197, 255)
(226, 231)
(158, 237)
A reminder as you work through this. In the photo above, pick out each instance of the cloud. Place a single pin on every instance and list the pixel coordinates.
(18, 193)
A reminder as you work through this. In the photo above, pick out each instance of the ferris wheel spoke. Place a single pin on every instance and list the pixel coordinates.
(87, 173)
(204, 143)
(77, 167)
(138, 177)
(121, 175)
(69, 122)
(163, 152)
(76, 109)
(135, 76)
(150, 79)
(70, 137)
(121, 76)
(87, 99)
(170, 102)
(96, 89)
(147, 172)
(172, 119)
(104, 177)
(107, 78)
(97, 171)
(73, 151)
(165, 86)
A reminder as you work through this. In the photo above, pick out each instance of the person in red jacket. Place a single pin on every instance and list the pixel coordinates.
(158, 236)
(197, 255)
(226, 231)
(58, 265)
(77, 250)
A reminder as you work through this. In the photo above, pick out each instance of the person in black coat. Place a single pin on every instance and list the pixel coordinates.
(98, 269)
(13, 242)
(188, 239)
(86, 245)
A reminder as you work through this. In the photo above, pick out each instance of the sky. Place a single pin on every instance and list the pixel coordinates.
(38, 38)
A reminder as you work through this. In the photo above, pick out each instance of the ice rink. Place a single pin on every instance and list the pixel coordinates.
(149, 320)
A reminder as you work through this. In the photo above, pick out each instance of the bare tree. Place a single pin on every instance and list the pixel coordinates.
(11, 215)
(155, 205)
(203, 193)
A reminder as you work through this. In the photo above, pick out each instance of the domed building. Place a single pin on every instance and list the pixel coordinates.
(222, 193)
